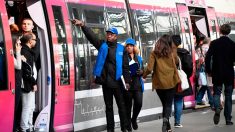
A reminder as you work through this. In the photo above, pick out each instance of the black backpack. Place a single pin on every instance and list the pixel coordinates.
(186, 60)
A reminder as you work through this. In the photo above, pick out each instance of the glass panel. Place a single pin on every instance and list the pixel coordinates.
(176, 26)
(118, 20)
(62, 46)
(84, 52)
(213, 26)
(232, 33)
(187, 43)
(147, 35)
(3, 68)
(163, 25)
(93, 16)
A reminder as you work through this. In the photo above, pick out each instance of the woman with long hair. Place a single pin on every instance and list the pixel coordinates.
(162, 64)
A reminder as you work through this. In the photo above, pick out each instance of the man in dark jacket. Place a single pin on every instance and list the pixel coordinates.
(29, 75)
(187, 67)
(111, 63)
(219, 63)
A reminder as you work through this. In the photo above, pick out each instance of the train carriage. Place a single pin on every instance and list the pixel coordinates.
(67, 100)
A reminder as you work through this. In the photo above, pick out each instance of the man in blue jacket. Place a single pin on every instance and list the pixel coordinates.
(111, 64)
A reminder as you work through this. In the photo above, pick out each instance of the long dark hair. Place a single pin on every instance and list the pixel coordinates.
(163, 47)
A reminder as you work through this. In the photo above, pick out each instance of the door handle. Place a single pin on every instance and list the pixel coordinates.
(13, 91)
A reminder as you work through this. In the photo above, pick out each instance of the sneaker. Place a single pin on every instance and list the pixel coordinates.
(217, 116)
(177, 125)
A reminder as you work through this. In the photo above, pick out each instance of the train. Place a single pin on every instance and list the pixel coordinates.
(67, 100)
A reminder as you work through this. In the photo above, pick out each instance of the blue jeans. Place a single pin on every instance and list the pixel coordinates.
(178, 107)
(201, 93)
(228, 91)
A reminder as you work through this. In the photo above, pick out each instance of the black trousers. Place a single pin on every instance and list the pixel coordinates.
(108, 94)
(166, 97)
(136, 97)
(18, 108)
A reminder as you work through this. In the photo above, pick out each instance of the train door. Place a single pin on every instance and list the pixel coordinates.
(63, 65)
(186, 28)
(7, 76)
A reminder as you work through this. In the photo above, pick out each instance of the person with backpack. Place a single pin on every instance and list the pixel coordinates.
(135, 93)
(187, 67)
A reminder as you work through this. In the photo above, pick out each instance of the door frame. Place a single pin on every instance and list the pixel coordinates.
(7, 96)
(62, 95)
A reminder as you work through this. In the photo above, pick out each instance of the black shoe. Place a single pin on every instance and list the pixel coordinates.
(164, 125)
(217, 116)
(229, 123)
(134, 124)
(201, 103)
(110, 130)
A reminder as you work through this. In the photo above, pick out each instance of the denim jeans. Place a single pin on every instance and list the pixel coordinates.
(178, 108)
(228, 91)
(202, 92)
(28, 106)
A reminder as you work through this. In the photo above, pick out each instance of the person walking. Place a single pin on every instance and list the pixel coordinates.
(219, 60)
(162, 64)
(111, 63)
(29, 86)
(135, 93)
(187, 67)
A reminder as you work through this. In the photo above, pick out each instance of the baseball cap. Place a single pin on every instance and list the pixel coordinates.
(131, 41)
(113, 30)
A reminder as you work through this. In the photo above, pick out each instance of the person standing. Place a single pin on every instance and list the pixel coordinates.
(219, 64)
(187, 67)
(135, 93)
(165, 78)
(29, 86)
(201, 51)
(111, 63)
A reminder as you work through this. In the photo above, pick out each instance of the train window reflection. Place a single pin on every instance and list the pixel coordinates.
(187, 43)
(93, 16)
(213, 26)
(163, 25)
(147, 34)
(63, 46)
(176, 25)
(117, 19)
(3, 69)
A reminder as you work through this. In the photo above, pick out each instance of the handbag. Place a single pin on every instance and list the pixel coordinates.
(183, 77)
(202, 79)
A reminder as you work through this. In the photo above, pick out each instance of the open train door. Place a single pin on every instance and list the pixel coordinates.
(213, 24)
(63, 91)
(7, 76)
(187, 33)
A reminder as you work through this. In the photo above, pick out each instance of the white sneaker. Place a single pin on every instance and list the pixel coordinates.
(178, 125)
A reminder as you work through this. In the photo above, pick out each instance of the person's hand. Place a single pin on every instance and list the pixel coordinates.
(35, 88)
(77, 22)
(127, 86)
(139, 72)
(18, 46)
(23, 58)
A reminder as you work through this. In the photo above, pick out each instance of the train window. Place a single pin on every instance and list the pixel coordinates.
(118, 20)
(163, 25)
(187, 43)
(147, 34)
(3, 68)
(176, 26)
(63, 46)
(94, 16)
(232, 33)
(214, 33)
